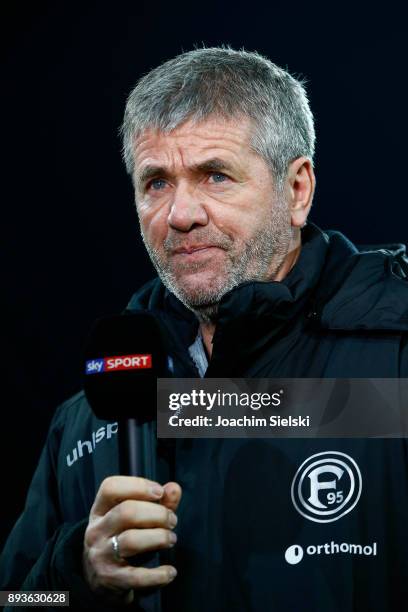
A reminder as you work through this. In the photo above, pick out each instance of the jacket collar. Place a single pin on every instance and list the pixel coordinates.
(362, 288)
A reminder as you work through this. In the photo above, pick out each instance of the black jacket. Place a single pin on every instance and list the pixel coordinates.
(340, 312)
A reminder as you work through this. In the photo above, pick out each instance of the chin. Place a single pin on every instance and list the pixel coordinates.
(204, 288)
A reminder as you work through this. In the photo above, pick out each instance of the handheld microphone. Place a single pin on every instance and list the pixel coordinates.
(124, 356)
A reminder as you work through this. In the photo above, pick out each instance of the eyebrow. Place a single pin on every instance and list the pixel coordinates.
(215, 164)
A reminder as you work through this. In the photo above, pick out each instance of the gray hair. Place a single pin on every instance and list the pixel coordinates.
(226, 83)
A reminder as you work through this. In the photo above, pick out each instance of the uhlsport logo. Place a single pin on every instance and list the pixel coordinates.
(118, 362)
(103, 432)
(326, 486)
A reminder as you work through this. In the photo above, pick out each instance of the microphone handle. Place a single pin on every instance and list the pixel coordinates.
(137, 457)
(137, 449)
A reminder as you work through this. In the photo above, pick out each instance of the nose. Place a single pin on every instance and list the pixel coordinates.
(187, 209)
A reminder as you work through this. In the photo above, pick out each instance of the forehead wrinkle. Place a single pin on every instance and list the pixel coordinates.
(187, 135)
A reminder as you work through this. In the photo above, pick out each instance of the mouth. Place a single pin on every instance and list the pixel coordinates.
(195, 250)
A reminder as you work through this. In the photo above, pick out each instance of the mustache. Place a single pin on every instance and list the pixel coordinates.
(198, 236)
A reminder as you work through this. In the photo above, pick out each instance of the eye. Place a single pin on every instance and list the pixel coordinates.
(156, 184)
(218, 177)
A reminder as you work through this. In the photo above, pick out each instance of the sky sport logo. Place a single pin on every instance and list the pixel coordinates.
(294, 554)
(118, 363)
(326, 486)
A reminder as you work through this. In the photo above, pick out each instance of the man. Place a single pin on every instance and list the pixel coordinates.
(219, 145)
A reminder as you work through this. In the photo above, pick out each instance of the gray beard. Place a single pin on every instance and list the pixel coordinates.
(260, 260)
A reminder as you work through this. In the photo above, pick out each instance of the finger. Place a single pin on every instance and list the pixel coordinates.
(129, 577)
(172, 495)
(142, 577)
(116, 489)
(131, 514)
(136, 541)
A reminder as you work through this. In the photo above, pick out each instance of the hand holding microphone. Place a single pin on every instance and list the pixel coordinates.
(130, 516)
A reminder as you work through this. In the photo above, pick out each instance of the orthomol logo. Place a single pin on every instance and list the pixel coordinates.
(326, 486)
(118, 362)
(294, 554)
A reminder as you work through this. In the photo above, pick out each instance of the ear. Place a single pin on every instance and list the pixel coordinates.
(300, 186)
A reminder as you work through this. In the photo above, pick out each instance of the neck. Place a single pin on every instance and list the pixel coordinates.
(207, 329)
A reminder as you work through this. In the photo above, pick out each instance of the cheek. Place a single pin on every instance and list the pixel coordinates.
(153, 224)
(240, 223)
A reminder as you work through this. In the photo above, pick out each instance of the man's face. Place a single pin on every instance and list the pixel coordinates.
(209, 213)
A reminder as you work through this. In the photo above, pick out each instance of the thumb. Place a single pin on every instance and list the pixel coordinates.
(172, 495)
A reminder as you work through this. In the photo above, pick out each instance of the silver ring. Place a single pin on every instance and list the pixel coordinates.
(115, 546)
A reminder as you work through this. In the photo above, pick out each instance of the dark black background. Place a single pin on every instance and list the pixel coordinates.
(72, 249)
